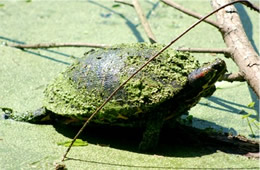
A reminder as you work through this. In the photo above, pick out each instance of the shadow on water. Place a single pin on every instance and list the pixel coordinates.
(227, 106)
(248, 27)
(174, 142)
(46, 57)
(247, 24)
(37, 53)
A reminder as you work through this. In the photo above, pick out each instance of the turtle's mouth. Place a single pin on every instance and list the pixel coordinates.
(216, 71)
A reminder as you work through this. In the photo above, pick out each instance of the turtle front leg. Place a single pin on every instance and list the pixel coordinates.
(41, 115)
(151, 133)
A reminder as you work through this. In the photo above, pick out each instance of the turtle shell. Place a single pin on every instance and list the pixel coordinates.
(79, 90)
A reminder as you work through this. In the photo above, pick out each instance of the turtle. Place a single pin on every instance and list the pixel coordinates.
(164, 90)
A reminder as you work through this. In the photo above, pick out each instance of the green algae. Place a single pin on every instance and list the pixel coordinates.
(78, 142)
(62, 97)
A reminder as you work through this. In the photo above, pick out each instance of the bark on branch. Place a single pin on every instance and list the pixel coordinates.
(243, 54)
(224, 51)
(230, 77)
(55, 45)
(144, 22)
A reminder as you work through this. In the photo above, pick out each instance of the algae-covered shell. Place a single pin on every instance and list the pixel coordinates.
(166, 88)
(79, 90)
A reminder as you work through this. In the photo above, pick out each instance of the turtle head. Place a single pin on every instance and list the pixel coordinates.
(205, 77)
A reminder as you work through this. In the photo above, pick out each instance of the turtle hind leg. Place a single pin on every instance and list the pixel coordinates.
(151, 133)
(41, 115)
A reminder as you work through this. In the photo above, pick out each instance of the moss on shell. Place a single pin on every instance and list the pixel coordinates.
(160, 80)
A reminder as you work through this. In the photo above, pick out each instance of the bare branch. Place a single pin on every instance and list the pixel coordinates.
(124, 2)
(230, 77)
(190, 13)
(142, 18)
(224, 51)
(144, 22)
(55, 45)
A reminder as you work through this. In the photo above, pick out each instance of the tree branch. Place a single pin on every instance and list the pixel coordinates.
(224, 51)
(142, 18)
(243, 54)
(54, 45)
(230, 77)
(144, 22)
(190, 13)
(252, 6)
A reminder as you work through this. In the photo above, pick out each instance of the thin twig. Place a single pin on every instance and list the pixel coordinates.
(190, 13)
(124, 2)
(55, 45)
(230, 77)
(251, 5)
(138, 70)
(144, 22)
(224, 51)
(142, 18)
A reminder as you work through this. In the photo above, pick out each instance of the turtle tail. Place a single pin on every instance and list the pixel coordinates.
(40, 115)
